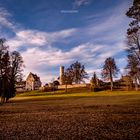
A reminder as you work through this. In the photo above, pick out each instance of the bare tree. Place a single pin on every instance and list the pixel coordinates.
(133, 39)
(133, 42)
(110, 70)
(134, 69)
(77, 72)
(94, 81)
(15, 74)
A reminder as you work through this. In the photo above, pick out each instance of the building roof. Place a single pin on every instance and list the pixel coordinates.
(36, 78)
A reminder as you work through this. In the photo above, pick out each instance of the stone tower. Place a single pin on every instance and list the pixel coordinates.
(61, 73)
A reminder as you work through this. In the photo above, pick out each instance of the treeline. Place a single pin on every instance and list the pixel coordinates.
(10, 71)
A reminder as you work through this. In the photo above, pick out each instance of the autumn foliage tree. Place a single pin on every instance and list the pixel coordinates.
(110, 70)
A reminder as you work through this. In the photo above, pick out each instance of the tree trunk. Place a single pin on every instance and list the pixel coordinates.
(66, 88)
(2, 100)
(111, 81)
(7, 99)
(111, 85)
(136, 84)
(139, 79)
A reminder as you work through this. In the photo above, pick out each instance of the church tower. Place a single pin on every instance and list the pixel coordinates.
(61, 73)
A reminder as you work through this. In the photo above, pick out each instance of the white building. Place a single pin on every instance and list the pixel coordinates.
(33, 82)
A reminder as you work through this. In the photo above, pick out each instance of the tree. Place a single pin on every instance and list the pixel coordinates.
(133, 42)
(110, 70)
(10, 71)
(133, 39)
(4, 69)
(15, 74)
(134, 69)
(68, 78)
(134, 11)
(94, 80)
(133, 32)
(77, 72)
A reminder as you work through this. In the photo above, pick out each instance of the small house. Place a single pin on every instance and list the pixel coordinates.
(33, 82)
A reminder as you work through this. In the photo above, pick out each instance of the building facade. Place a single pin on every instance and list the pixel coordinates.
(20, 86)
(33, 82)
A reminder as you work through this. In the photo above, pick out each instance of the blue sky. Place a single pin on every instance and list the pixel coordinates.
(50, 33)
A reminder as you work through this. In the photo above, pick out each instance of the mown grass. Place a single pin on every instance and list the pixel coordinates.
(99, 98)
(75, 115)
(72, 93)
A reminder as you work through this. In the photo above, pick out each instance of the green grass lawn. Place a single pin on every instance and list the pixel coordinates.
(76, 115)
(75, 94)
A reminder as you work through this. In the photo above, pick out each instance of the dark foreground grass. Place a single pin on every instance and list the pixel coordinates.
(73, 117)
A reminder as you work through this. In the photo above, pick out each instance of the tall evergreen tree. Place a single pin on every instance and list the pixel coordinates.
(10, 71)
(4, 69)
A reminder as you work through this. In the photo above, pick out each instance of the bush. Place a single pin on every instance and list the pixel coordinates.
(96, 89)
(49, 89)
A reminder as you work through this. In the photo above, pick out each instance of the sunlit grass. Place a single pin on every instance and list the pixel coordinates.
(60, 114)
(71, 94)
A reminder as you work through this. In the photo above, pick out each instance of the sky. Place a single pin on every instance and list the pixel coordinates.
(51, 33)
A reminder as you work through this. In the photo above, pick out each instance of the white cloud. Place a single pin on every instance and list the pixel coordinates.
(78, 3)
(109, 25)
(38, 38)
(4, 19)
(27, 38)
(63, 33)
(89, 54)
(30, 37)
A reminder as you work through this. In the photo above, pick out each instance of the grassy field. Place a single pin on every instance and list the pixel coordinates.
(75, 115)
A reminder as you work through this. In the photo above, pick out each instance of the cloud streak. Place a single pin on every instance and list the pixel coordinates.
(91, 55)
(4, 19)
(38, 38)
(78, 3)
